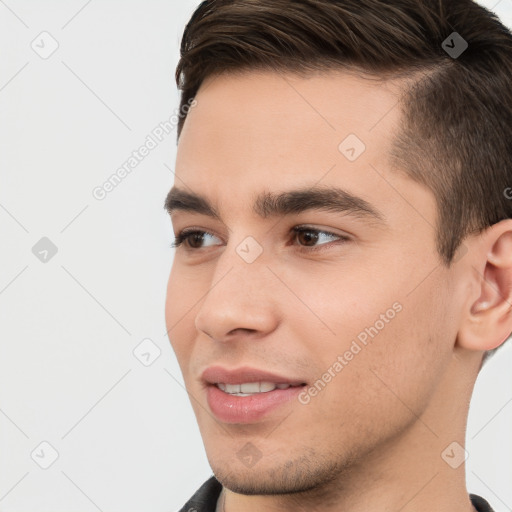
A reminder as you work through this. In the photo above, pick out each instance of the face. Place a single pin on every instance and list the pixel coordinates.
(354, 310)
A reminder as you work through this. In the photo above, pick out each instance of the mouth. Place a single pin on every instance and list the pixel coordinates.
(247, 395)
(254, 388)
(247, 376)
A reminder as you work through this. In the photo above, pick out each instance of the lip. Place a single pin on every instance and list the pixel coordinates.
(216, 374)
(246, 409)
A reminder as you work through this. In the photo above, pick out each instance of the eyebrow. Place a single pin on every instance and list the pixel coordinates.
(271, 204)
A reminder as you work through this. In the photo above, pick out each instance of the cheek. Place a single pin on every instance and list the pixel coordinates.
(342, 305)
(375, 328)
(375, 385)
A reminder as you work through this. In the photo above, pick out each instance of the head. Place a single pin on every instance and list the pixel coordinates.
(354, 118)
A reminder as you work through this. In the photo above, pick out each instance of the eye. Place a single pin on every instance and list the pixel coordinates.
(310, 238)
(189, 238)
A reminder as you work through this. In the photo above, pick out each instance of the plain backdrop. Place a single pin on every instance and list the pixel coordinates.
(93, 413)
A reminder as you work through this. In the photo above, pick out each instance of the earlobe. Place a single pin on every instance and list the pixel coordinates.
(488, 320)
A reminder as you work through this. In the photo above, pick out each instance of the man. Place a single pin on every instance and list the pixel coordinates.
(344, 247)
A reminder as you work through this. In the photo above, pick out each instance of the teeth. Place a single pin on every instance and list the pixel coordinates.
(267, 386)
(250, 388)
(232, 388)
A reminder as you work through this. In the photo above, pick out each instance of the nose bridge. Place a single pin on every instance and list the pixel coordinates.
(239, 294)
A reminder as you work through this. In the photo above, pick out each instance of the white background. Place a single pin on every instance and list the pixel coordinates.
(125, 433)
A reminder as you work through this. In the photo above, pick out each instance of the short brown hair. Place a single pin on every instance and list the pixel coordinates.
(456, 136)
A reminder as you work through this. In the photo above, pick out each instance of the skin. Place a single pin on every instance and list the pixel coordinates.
(373, 438)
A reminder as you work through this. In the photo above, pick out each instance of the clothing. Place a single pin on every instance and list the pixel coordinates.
(205, 499)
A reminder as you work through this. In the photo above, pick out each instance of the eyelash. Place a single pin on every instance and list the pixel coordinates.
(185, 235)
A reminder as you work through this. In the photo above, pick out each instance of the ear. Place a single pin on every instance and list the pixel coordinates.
(487, 321)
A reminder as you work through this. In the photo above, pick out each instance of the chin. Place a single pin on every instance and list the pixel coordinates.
(301, 475)
(255, 483)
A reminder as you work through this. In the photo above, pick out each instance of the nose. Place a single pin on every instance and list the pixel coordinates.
(241, 298)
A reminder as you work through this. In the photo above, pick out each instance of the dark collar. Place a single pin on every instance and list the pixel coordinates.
(205, 499)
(480, 504)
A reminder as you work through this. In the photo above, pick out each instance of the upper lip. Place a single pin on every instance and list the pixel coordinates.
(218, 374)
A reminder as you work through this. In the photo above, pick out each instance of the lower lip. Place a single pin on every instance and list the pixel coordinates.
(247, 409)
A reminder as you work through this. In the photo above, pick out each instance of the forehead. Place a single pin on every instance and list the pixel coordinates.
(264, 130)
(333, 100)
(262, 119)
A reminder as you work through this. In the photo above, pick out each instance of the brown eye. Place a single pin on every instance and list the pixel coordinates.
(307, 237)
(191, 239)
(195, 239)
